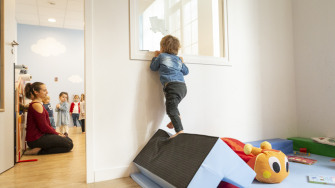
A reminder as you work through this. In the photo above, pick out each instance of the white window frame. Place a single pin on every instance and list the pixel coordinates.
(137, 54)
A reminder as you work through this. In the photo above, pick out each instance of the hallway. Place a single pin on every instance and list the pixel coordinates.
(57, 170)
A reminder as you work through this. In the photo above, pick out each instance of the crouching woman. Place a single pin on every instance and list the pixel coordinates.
(40, 136)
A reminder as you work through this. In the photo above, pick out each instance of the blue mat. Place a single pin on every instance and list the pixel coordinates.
(286, 146)
(143, 181)
(296, 179)
(223, 162)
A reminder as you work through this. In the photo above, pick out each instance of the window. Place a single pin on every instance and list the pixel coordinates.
(200, 25)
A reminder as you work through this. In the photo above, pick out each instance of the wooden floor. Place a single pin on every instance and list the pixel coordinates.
(58, 170)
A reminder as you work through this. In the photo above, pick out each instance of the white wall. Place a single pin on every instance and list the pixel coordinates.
(314, 39)
(253, 99)
(7, 117)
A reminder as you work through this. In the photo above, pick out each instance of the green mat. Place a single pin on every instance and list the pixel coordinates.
(313, 147)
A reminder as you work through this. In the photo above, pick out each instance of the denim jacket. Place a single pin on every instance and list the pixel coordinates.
(170, 67)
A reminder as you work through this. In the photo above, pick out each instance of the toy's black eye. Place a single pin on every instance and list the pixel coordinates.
(274, 164)
(287, 164)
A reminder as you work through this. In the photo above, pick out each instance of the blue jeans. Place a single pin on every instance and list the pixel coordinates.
(75, 118)
(52, 122)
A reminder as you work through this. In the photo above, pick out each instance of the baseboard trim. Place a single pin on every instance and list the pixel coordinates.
(113, 173)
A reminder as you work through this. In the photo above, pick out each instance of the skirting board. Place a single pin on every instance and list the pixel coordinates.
(109, 174)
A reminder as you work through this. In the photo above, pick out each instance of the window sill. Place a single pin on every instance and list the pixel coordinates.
(200, 60)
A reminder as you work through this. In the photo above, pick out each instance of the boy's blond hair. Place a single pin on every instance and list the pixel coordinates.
(45, 99)
(170, 44)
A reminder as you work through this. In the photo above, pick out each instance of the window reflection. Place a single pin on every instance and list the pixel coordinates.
(152, 26)
(196, 23)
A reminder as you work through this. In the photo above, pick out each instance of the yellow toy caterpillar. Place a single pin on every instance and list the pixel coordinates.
(271, 166)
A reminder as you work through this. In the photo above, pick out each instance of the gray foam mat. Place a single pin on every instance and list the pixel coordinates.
(175, 160)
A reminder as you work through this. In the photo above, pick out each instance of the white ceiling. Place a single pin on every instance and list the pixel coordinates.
(68, 13)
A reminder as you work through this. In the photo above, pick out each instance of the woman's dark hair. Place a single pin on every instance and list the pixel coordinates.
(31, 87)
(64, 93)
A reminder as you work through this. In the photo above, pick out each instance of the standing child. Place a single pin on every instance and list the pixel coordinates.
(63, 117)
(171, 70)
(82, 115)
(47, 106)
(75, 110)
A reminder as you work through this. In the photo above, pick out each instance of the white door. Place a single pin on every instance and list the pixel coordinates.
(7, 116)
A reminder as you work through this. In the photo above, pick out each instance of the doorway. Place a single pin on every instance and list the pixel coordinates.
(51, 38)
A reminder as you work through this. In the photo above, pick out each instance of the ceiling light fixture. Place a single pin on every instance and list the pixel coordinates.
(52, 20)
